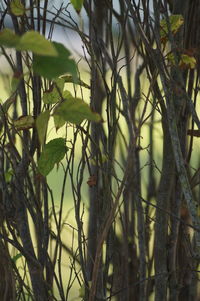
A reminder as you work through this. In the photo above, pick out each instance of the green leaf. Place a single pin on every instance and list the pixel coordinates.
(8, 38)
(171, 58)
(8, 175)
(58, 121)
(67, 94)
(42, 125)
(77, 4)
(52, 67)
(16, 257)
(60, 83)
(53, 153)
(24, 122)
(175, 22)
(30, 41)
(187, 61)
(17, 8)
(70, 79)
(35, 42)
(75, 110)
(52, 95)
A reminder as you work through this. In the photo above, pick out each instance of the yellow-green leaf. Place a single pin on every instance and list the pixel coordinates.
(35, 42)
(54, 151)
(8, 175)
(42, 125)
(30, 41)
(53, 67)
(58, 121)
(8, 38)
(75, 110)
(53, 95)
(67, 94)
(77, 4)
(16, 257)
(24, 122)
(17, 8)
(187, 61)
(70, 79)
(171, 58)
(175, 22)
(60, 83)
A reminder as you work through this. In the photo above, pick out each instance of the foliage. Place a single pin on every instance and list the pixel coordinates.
(42, 125)
(75, 111)
(77, 4)
(116, 147)
(54, 151)
(29, 41)
(17, 8)
(50, 67)
(173, 24)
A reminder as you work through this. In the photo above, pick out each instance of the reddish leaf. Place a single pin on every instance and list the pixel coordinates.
(92, 181)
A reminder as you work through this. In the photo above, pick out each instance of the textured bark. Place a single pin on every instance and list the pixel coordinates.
(97, 14)
(162, 218)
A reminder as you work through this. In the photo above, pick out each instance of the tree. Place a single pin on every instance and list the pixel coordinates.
(141, 238)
